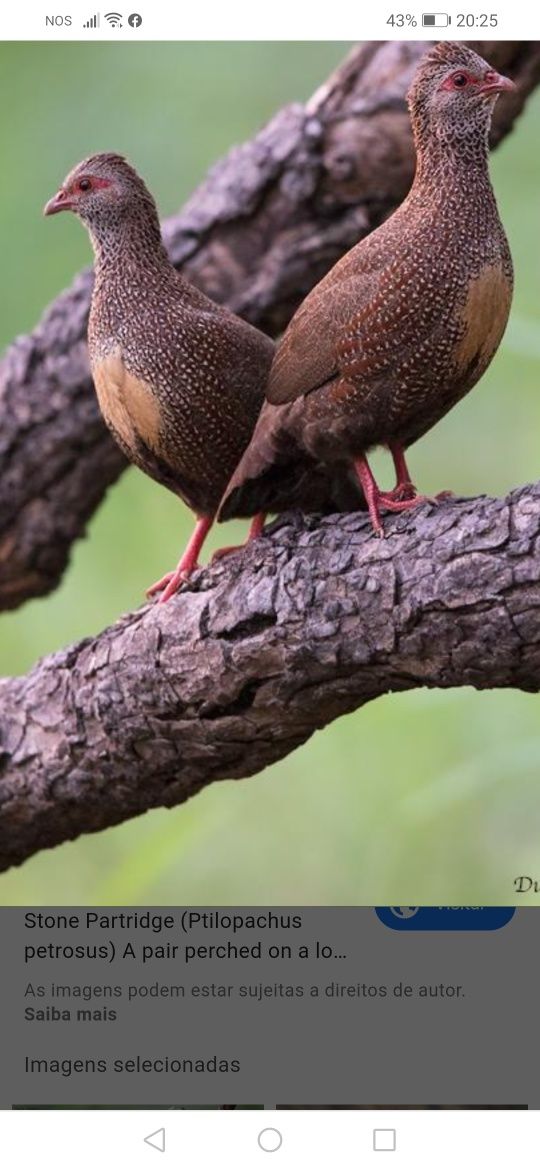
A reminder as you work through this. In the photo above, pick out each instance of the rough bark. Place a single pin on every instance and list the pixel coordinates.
(266, 224)
(310, 622)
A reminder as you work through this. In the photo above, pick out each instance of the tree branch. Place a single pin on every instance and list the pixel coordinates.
(269, 220)
(311, 621)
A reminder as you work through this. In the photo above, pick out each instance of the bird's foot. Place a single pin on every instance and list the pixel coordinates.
(389, 503)
(403, 497)
(394, 504)
(226, 551)
(398, 503)
(256, 528)
(404, 490)
(171, 582)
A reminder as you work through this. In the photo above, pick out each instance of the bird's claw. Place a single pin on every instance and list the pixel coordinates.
(389, 501)
(396, 501)
(405, 490)
(170, 583)
(226, 551)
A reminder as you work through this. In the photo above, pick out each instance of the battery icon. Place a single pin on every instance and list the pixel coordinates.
(435, 19)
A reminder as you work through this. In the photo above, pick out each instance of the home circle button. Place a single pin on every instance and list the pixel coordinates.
(270, 1140)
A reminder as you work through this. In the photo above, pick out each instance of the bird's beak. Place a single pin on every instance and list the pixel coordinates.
(59, 202)
(497, 83)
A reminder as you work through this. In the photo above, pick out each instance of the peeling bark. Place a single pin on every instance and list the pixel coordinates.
(267, 223)
(311, 621)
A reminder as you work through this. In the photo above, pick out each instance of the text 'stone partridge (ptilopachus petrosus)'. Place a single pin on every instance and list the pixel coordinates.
(408, 321)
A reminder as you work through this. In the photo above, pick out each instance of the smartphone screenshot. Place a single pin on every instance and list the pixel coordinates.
(269, 584)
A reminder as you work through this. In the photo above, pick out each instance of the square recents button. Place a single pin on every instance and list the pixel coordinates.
(384, 1139)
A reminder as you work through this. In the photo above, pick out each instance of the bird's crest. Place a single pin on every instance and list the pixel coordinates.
(450, 53)
(105, 161)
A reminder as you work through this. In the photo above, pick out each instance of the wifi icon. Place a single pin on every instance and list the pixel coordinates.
(114, 19)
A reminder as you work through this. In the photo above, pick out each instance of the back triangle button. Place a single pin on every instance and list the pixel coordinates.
(156, 1140)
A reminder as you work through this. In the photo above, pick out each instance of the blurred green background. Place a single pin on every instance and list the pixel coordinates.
(418, 798)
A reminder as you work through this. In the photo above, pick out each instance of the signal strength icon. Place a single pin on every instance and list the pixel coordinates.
(114, 19)
(93, 22)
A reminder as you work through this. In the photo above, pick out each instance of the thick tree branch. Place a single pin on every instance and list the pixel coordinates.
(268, 221)
(312, 621)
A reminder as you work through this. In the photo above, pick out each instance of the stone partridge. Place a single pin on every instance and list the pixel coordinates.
(180, 380)
(408, 321)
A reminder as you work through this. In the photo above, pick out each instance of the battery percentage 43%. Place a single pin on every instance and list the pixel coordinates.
(402, 20)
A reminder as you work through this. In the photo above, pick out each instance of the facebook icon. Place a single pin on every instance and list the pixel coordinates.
(134, 20)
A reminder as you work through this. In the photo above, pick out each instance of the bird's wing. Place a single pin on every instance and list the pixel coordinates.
(306, 356)
(354, 327)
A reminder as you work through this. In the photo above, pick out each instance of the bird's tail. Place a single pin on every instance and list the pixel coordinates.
(275, 475)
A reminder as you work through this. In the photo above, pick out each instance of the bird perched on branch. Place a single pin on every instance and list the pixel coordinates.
(408, 321)
(180, 380)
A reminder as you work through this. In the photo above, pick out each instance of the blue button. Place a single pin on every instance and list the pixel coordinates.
(445, 917)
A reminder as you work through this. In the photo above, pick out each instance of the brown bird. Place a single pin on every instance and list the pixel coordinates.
(180, 380)
(408, 321)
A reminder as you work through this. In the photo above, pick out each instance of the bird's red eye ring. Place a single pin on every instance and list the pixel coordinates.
(459, 80)
(84, 185)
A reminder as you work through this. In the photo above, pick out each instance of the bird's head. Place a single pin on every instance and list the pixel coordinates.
(102, 190)
(453, 92)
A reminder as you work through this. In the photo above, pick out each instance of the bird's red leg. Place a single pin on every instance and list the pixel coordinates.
(256, 528)
(404, 489)
(371, 492)
(375, 498)
(171, 582)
